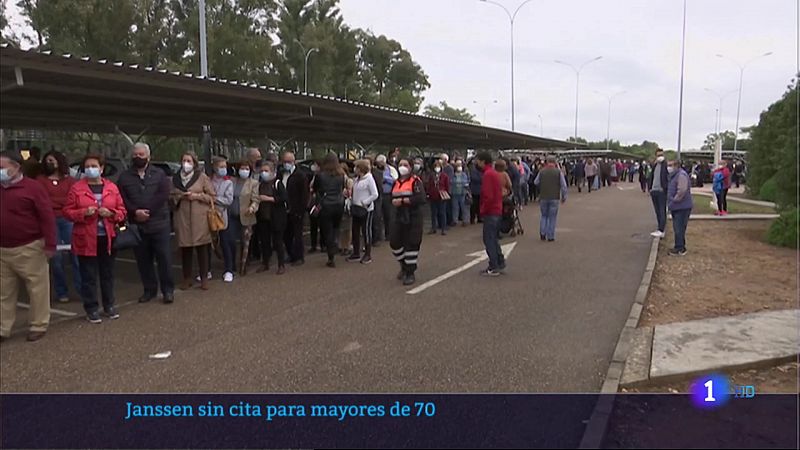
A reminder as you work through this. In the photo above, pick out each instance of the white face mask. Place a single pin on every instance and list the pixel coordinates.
(670, 169)
(243, 173)
(660, 159)
(437, 170)
(188, 167)
(459, 168)
(404, 170)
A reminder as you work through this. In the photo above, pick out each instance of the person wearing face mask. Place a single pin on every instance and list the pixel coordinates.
(365, 193)
(56, 181)
(679, 201)
(408, 196)
(241, 216)
(475, 182)
(295, 179)
(438, 188)
(721, 179)
(223, 186)
(419, 167)
(145, 189)
(191, 198)
(657, 185)
(271, 217)
(389, 175)
(95, 206)
(459, 189)
(450, 171)
(329, 189)
(27, 241)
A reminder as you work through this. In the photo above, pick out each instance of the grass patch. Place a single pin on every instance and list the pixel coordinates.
(734, 207)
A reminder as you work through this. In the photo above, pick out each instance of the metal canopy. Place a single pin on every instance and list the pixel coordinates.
(41, 90)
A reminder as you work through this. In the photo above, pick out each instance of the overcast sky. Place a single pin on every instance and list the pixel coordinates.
(463, 46)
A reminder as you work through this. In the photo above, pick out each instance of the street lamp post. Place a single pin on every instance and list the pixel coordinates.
(475, 102)
(739, 102)
(719, 110)
(608, 126)
(308, 53)
(511, 18)
(577, 88)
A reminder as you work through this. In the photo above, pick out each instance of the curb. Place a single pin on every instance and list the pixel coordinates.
(733, 217)
(746, 201)
(598, 422)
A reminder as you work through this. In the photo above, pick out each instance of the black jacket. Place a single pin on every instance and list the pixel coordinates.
(151, 193)
(297, 191)
(278, 217)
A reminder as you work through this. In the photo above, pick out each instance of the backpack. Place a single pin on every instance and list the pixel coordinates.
(719, 180)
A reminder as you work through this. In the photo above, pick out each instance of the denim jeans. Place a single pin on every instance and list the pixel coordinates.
(660, 205)
(460, 208)
(547, 223)
(438, 215)
(491, 234)
(155, 246)
(64, 236)
(91, 267)
(227, 240)
(680, 220)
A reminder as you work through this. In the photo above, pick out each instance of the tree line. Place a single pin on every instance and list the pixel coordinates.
(262, 41)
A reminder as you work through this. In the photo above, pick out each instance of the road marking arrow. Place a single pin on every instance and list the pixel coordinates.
(479, 257)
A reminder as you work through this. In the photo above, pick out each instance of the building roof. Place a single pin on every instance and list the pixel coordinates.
(43, 90)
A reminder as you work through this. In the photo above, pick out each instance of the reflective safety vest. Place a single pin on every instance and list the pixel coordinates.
(404, 188)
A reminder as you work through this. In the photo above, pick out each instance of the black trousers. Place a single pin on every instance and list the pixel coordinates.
(590, 179)
(475, 209)
(387, 210)
(362, 227)
(329, 222)
(378, 230)
(155, 246)
(722, 200)
(90, 267)
(405, 241)
(271, 239)
(293, 237)
(203, 254)
(255, 245)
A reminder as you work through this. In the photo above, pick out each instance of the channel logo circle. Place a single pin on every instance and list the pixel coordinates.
(710, 391)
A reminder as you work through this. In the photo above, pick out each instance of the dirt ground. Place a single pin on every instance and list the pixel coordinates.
(729, 270)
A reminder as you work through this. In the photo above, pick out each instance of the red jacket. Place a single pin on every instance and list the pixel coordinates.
(434, 188)
(26, 215)
(491, 193)
(84, 230)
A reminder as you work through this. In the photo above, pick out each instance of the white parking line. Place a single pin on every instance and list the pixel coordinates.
(60, 312)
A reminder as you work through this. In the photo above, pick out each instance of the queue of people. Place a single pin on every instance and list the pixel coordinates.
(261, 210)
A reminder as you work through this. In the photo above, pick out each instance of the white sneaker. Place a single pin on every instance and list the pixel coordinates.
(658, 234)
(197, 278)
(228, 277)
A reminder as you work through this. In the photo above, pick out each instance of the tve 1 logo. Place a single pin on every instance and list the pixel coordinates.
(713, 391)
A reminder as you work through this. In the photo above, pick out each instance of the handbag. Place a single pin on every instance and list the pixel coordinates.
(215, 220)
(358, 211)
(127, 237)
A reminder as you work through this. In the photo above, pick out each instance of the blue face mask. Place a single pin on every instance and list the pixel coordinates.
(92, 172)
(289, 167)
(4, 176)
(222, 171)
(244, 173)
(267, 176)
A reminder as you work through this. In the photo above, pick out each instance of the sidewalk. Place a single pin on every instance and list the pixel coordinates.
(683, 349)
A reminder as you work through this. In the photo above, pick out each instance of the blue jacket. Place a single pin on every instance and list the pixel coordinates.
(475, 180)
(719, 182)
(679, 191)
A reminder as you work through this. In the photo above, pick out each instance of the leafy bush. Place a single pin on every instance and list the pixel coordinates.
(769, 190)
(785, 230)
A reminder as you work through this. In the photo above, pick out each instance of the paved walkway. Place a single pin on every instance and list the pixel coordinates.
(701, 346)
(549, 325)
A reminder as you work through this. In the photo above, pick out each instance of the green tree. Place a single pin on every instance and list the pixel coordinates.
(773, 152)
(388, 74)
(448, 112)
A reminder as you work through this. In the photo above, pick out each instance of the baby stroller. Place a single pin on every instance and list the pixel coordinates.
(510, 223)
